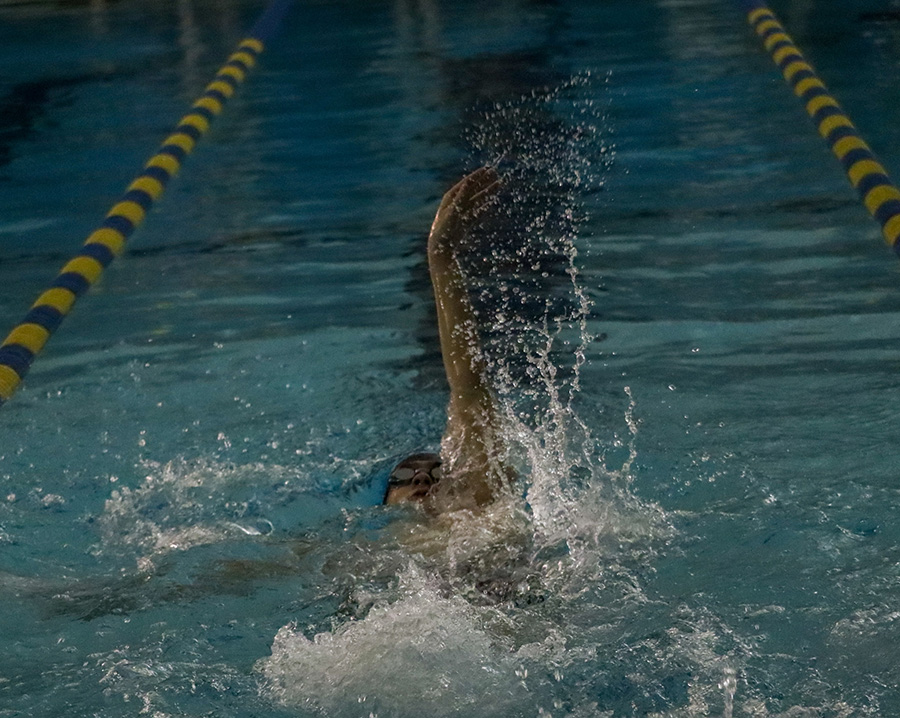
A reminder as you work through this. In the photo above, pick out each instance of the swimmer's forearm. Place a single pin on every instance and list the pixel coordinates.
(460, 343)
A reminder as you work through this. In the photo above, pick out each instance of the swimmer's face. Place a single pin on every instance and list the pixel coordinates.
(413, 479)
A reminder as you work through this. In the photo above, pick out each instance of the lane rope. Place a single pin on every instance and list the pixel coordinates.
(27, 339)
(870, 179)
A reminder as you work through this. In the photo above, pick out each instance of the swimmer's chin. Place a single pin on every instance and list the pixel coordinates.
(435, 503)
(438, 500)
(444, 500)
(423, 500)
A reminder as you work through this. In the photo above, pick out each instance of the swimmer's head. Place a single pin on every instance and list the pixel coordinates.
(413, 479)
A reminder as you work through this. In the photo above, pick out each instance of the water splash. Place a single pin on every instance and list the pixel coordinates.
(182, 504)
(553, 150)
(524, 608)
(728, 686)
(544, 605)
(422, 649)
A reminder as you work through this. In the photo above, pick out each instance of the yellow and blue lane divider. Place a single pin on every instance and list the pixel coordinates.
(870, 179)
(27, 339)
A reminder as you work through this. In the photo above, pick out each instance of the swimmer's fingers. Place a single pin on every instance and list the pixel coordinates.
(455, 198)
(462, 203)
(477, 183)
(449, 198)
(484, 198)
(475, 191)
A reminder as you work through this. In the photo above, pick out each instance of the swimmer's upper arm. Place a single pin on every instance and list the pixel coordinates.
(471, 416)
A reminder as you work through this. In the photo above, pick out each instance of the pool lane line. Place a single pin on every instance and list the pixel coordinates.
(870, 179)
(25, 341)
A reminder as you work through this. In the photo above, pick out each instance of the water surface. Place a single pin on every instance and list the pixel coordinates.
(703, 411)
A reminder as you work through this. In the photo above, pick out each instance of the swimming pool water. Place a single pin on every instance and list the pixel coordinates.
(189, 476)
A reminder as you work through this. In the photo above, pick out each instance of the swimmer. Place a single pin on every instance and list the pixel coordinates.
(470, 472)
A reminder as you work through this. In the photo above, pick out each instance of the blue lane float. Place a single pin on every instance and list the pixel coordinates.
(870, 179)
(27, 339)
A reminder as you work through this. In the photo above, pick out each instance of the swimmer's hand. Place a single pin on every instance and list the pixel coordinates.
(460, 206)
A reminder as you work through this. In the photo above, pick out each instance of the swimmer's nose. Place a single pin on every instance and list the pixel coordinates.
(422, 479)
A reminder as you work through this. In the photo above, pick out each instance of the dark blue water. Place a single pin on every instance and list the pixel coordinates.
(691, 320)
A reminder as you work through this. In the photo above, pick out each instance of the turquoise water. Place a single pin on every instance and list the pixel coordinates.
(695, 345)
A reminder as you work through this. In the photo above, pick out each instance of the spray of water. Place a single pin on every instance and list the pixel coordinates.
(553, 151)
(508, 613)
(181, 504)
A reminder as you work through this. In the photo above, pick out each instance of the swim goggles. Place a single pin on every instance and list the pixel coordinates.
(404, 475)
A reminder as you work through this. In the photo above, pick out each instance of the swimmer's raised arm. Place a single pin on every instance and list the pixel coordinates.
(460, 343)
(471, 447)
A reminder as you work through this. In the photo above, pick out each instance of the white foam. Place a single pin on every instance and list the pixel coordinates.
(423, 654)
(182, 504)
